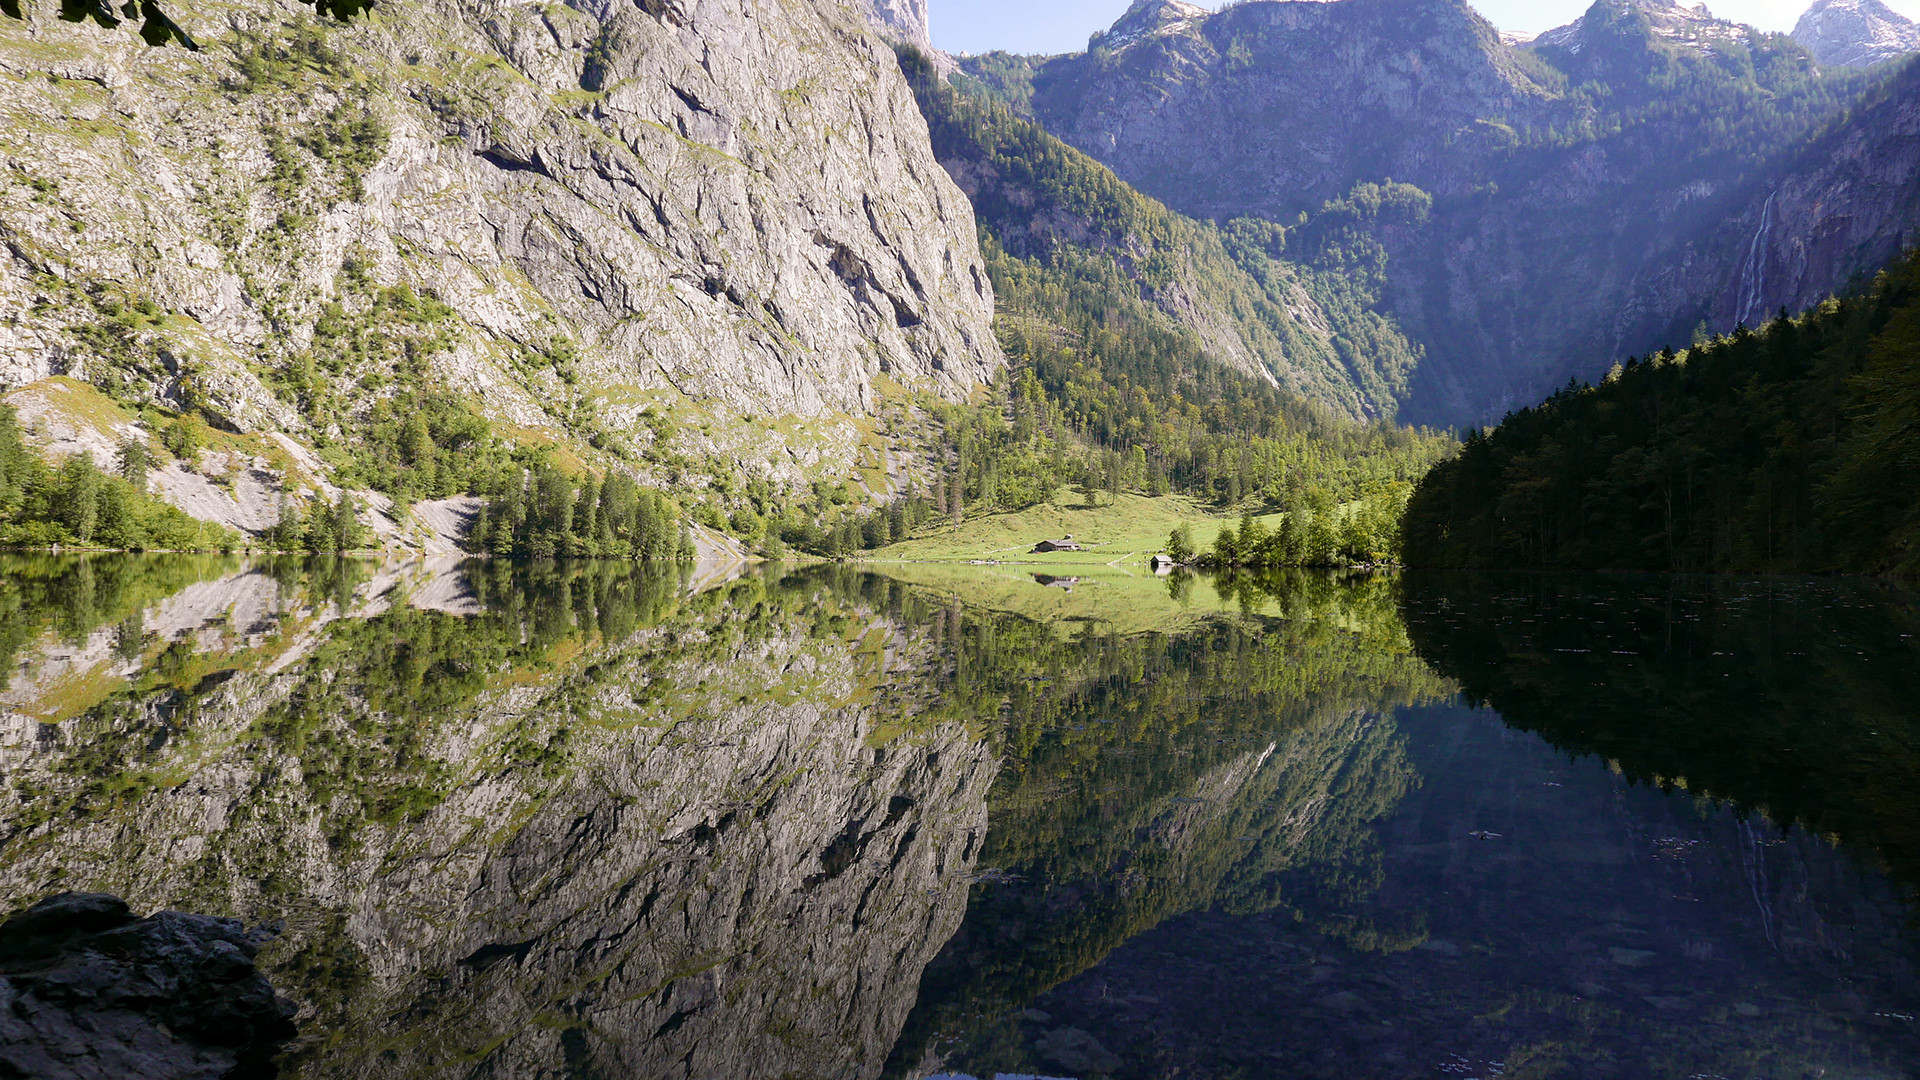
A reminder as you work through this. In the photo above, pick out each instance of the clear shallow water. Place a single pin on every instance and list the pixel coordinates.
(601, 821)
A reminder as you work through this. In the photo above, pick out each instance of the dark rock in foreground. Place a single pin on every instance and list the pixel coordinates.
(89, 990)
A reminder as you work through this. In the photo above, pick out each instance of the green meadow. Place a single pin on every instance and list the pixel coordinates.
(1122, 532)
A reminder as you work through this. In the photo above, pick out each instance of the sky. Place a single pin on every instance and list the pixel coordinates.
(1054, 26)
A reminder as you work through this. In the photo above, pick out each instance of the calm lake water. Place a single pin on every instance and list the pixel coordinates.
(606, 821)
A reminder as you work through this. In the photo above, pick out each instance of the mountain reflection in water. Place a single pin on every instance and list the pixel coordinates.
(525, 820)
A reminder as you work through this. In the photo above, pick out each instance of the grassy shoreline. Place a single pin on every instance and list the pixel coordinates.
(1125, 531)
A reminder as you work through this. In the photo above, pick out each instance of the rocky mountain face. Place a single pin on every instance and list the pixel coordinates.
(1274, 108)
(696, 237)
(1578, 181)
(905, 20)
(1686, 26)
(1856, 33)
(1307, 329)
(1835, 211)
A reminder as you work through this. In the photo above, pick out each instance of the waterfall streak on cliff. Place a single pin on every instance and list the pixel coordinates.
(1753, 274)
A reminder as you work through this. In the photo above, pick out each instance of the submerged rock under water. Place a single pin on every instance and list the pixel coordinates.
(89, 989)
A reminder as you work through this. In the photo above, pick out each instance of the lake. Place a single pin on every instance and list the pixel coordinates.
(606, 820)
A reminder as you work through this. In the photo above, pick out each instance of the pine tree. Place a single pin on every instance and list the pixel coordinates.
(77, 496)
(131, 461)
(1180, 544)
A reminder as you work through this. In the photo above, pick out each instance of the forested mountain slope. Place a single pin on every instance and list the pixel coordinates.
(1308, 327)
(1154, 353)
(1793, 448)
(1581, 184)
(698, 243)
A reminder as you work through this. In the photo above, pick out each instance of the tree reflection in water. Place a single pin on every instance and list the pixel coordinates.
(547, 819)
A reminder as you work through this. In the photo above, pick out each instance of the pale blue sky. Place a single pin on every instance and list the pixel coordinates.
(1053, 26)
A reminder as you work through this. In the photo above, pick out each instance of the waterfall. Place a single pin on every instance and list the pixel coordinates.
(1754, 861)
(1753, 273)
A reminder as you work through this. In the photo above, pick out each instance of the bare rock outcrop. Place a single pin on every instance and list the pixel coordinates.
(1276, 107)
(905, 22)
(1835, 213)
(90, 991)
(644, 231)
(1856, 33)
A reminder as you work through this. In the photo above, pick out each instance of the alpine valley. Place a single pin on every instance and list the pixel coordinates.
(686, 539)
(556, 279)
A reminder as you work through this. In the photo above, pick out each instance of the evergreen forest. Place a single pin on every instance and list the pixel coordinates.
(1107, 392)
(76, 504)
(1794, 447)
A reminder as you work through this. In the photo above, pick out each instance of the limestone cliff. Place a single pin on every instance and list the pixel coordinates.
(905, 22)
(1856, 33)
(645, 232)
(1833, 213)
(1686, 26)
(1277, 107)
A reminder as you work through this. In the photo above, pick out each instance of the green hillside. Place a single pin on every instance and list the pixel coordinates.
(1790, 448)
(1109, 393)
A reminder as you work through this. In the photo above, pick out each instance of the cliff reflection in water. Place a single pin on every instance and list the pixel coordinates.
(592, 820)
(525, 819)
(599, 820)
(1419, 889)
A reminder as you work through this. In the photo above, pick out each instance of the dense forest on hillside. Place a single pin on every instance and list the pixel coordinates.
(1791, 448)
(542, 511)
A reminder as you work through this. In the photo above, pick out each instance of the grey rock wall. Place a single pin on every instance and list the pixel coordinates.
(90, 991)
(1856, 33)
(1543, 259)
(727, 209)
(1832, 215)
(905, 22)
(1273, 108)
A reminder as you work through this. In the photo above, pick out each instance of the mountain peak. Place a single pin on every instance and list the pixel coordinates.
(1683, 25)
(1152, 18)
(905, 21)
(1856, 33)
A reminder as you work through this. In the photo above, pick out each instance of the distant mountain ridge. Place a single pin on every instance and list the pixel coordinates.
(1582, 184)
(1276, 107)
(1856, 33)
